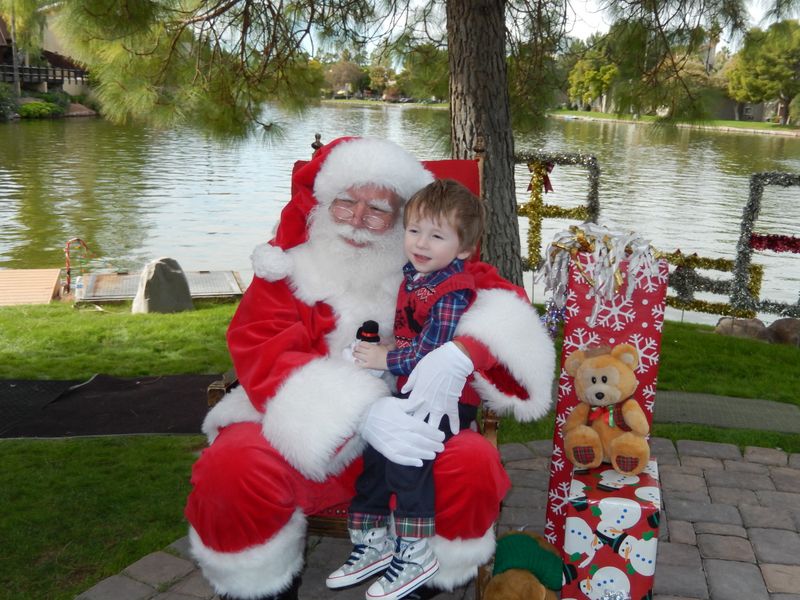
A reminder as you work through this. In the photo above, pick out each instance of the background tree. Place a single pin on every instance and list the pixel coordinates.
(380, 76)
(29, 20)
(571, 51)
(25, 20)
(344, 75)
(539, 52)
(480, 110)
(652, 43)
(591, 78)
(768, 67)
(425, 72)
(739, 84)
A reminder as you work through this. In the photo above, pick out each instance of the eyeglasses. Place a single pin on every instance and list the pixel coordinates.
(376, 220)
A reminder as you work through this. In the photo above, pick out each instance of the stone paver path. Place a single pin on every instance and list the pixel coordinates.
(729, 530)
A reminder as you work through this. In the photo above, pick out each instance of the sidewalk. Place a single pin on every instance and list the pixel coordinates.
(729, 530)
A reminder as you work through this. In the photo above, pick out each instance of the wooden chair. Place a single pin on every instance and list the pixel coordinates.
(333, 521)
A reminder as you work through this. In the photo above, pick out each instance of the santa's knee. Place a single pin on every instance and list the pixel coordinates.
(470, 485)
(246, 530)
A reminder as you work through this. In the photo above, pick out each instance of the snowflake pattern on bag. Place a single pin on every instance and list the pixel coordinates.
(638, 321)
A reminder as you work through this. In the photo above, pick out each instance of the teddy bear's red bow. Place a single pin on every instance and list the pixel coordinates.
(602, 412)
(611, 415)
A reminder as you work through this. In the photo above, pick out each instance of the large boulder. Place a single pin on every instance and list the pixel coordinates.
(785, 331)
(746, 328)
(163, 288)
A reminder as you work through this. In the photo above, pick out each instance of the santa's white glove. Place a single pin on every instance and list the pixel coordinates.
(398, 436)
(347, 354)
(436, 384)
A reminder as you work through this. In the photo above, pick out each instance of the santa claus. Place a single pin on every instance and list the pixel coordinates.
(286, 442)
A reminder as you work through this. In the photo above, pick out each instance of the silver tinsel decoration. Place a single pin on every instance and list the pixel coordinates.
(608, 249)
(741, 297)
(615, 595)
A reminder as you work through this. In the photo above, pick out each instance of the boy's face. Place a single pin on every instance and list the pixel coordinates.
(431, 245)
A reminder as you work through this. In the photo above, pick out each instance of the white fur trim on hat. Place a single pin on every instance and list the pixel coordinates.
(375, 161)
(258, 571)
(314, 417)
(235, 407)
(460, 558)
(510, 327)
(270, 262)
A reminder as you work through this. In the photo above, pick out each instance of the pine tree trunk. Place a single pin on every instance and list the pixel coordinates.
(479, 107)
(783, 109)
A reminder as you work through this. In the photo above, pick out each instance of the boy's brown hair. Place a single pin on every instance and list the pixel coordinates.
(448, 200)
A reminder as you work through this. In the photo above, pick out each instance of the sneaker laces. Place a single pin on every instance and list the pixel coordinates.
(356, 553)
(394, 568)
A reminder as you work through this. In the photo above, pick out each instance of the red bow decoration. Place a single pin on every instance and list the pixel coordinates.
(546, 184)
(604, 413)
(548, 187)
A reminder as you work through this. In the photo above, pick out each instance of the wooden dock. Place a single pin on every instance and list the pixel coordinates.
(40, 286)
(28, 286)
(112, 287)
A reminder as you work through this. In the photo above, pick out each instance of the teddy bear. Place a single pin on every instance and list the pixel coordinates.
(608, 424)
(527, 567)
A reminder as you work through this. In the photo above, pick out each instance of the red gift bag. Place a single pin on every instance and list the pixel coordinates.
(591, 319)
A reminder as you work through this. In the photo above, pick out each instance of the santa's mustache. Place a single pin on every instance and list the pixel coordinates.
(361, 235)
(357, 235)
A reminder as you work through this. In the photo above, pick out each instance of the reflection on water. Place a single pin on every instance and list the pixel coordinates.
(134, 194)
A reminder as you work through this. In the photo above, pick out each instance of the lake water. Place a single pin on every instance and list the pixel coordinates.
(135, 194)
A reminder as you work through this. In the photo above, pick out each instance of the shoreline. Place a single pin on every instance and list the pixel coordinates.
(698, 126)
(576, 117)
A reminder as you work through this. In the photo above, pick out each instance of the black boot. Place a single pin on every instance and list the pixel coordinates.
(423, 593)
(290, 594)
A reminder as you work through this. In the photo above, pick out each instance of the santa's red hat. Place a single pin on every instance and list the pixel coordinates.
(344, 163)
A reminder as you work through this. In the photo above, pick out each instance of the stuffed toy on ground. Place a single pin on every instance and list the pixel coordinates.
(608, 425)
(527, 567)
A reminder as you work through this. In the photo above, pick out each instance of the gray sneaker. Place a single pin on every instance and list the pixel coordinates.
(412, 565)
(371, 554)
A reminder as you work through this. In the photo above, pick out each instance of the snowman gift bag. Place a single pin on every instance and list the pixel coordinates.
(611, 534)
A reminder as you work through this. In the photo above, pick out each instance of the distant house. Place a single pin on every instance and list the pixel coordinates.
(727, 109)
(54, 70)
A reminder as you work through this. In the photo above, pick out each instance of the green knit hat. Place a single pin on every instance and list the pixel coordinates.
(521, 551)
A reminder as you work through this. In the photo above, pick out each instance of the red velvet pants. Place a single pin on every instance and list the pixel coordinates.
(244, 491)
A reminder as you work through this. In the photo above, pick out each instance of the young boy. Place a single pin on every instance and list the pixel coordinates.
(443, 225)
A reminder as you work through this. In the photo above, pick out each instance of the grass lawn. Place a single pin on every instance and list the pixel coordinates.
(57, 341)
(77, 511)
(80, 510)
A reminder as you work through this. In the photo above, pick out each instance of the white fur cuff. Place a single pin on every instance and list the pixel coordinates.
(459, 559)
(270, 262)
(256, 571)
(510, 327)
(314, 417)
(235, 407)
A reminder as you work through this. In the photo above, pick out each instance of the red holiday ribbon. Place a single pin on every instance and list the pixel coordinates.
(548, 187)
(546, 183)
(774, 242)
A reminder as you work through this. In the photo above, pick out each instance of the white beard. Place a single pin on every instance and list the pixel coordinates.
(358, 283)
